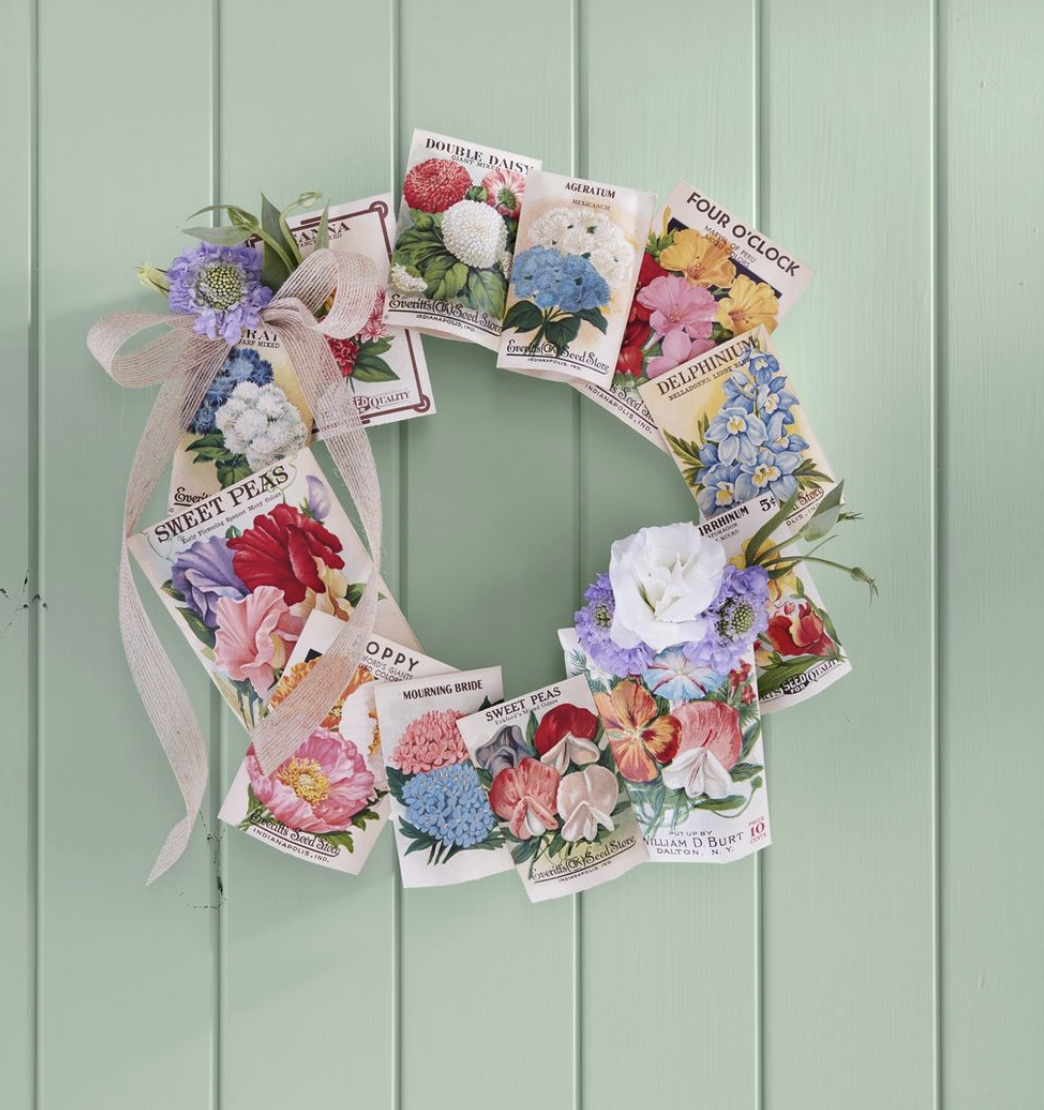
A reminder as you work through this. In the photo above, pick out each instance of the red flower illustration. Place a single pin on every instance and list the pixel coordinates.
(435, 184)
(526, 796)
(566, 735)
(282, 549)
(346, 351)
(798, 630)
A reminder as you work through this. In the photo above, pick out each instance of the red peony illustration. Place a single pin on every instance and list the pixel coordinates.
(285, 549)
(798, 630)
(435, 185)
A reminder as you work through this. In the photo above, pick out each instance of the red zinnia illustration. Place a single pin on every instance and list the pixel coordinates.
(282, 549)
(436, 184)
(799, 631)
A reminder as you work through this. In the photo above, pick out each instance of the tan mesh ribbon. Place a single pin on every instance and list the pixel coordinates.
(185, 364)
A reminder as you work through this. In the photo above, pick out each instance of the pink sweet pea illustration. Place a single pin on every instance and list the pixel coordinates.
(586, 800)
(319, 788)
(711, 742)
(526, 797)
(254, 637)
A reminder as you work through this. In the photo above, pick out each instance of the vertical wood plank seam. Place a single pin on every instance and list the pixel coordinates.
(35, 545)
(936, 339)
(395, 126)
(216, 853)
(579, 537)
(758, 215)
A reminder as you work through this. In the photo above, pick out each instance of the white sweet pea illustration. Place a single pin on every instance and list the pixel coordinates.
(698, 772)
(586, 800)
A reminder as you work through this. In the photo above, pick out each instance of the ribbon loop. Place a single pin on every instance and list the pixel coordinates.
(186, 363)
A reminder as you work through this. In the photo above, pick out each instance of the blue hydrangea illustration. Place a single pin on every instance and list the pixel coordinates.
(244, 364)
(449, 805)
(551, 279)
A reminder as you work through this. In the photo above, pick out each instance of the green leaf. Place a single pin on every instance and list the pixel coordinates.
(220, 236)
(531, 730)
(232, 469)
(168, 589)
(476, 192)
(687, 450)
(353, 595)
(456, 279)
(375, 346)
(199, 629)
(826, 515)
(339, 840)
(771, 679)
(487, 290)
(523, 316)
(741, 772)
(396, 782)
(322, 233)
(594, 316)
(753, 546)
(279, 256)
(561, 332)
(371, 368)
(232, 532)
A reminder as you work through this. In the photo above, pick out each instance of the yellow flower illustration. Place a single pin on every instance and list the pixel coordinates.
(703, 259)
(747, 305)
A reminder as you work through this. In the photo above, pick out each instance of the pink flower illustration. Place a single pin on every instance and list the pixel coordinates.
(254, 636)
(504, 189)
(677, 304)
(586, 800)
(432, 740)
(677, 348)
(319, 788)
(375, 328)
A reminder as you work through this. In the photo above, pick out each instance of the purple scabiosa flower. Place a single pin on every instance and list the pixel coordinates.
(738, 616)
(593, 623)
(203, 575)
(221, 287)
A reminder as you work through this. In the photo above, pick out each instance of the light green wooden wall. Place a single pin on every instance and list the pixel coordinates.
(886, 951)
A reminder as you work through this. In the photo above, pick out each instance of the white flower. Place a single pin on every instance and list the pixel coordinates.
(586, 800)
(614, 261)
(698, 771)
(570, 749)
(260, 423)
(474, 233)
(505, 260)
(663, 579)
(406, 282)
(588, 232)
(359, 725)
(551, 229)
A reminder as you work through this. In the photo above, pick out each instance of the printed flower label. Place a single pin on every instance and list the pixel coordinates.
(445, 831)
(456, 238)
(688, 742)
(578, 253)
(705, 278)
(545, 760)
(241, 571)
(328, 803)
(736, 430)
(799, 653)
(383, 366)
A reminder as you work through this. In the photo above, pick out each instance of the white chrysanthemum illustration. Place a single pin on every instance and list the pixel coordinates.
(590, 233)
(406, 282)
(505, 260)
(260, 423)
(474, 233)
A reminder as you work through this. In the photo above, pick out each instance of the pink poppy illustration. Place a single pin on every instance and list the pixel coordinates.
(526, 797)
(254, 637)
(319, 788)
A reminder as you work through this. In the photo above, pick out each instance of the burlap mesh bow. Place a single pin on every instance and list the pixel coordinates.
(184, 364)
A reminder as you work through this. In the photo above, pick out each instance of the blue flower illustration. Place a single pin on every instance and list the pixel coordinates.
(552, 279)
(739, 391)
(672, 675)
(771, 472)
(719, 489)
(449, 805)
(779, 439)
(243, 364)
(738, 434)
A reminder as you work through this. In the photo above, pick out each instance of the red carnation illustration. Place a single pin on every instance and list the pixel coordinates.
(436, 184)
(282, 550)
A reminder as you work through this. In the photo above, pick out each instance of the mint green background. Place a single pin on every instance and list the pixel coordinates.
(886, 951)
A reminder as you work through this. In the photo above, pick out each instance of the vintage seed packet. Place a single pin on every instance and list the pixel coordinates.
(241, 571)
(706, 277)
(548, 766)
(328, 803)
(383, 366)
(736, 429)
(688, 742)
(799, 654)
(456, 238)
(578, 253)
(445, 831)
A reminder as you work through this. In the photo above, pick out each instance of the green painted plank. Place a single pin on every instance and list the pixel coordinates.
(126, 980)
(491, 511)
(648, 959)
(847, 148)
(306, 952)
(18, 573)
(992, 602)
